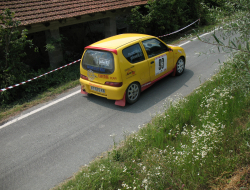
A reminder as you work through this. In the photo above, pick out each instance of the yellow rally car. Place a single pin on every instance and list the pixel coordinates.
(122, 66)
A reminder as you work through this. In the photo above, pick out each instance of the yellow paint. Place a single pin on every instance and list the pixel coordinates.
(124, 71)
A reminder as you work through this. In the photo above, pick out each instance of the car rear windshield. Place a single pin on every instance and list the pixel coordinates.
(98, 61)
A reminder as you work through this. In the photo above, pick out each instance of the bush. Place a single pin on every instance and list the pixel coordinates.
(12, 44)
(160, 17)
(13, 70)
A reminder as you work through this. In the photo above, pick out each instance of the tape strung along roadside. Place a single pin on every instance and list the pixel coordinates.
(21, 83)
(179, 29)
(10, 87)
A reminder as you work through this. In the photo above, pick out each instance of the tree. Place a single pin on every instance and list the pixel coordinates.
(12, 44)
(236, 29)
(166, 16)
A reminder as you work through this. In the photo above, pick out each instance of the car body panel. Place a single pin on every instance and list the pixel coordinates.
(131, 64)
(160, 64)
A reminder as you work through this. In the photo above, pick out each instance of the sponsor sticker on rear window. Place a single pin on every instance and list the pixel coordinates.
(104, 63)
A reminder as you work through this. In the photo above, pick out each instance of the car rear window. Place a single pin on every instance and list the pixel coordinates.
(98, 61)
(133, 53)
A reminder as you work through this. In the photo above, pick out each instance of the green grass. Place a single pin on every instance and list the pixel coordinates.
(15, 108)
(198, 143)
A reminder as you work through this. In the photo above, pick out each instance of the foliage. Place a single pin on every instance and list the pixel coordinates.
(166, 15)
(137, 20)
(160, 17)
(13, 70)
(12, 44)
(238, 24)
(32, 89)
(237, 32)
(55, 43)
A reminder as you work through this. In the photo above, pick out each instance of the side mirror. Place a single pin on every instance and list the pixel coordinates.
(170, 50)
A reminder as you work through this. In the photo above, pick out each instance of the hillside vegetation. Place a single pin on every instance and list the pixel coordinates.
(201, 141)
(198, 143)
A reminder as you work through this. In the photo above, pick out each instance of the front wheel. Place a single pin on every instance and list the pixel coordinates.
(180, 66)
(133, 93)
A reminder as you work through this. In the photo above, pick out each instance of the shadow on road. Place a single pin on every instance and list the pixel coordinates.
(150, 97)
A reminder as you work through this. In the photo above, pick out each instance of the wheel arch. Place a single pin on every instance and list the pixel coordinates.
(182, 56)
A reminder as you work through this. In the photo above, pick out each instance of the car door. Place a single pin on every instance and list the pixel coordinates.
(160, 59)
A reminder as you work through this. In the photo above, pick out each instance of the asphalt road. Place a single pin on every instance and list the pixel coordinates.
(47, 147)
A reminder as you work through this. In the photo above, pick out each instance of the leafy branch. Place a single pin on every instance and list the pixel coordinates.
(220, 43)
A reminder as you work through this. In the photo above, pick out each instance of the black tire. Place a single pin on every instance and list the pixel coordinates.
(180, 66)
(133, 92)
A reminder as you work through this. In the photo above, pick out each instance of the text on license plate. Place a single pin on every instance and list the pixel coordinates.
(97, 89)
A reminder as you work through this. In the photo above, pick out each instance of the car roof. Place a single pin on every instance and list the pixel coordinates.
(117, 41)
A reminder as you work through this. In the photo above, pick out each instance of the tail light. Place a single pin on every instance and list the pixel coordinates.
(84, 77)
(116, 84)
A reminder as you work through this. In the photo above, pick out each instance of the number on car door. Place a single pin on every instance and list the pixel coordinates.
(159, 58)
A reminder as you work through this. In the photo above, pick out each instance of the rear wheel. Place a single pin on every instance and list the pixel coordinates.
(180, 66)
(133, 92)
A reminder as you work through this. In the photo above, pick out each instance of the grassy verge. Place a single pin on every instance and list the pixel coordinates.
(17, 107)
(200, 142)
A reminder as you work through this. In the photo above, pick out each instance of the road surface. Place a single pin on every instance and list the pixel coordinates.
(51, 143)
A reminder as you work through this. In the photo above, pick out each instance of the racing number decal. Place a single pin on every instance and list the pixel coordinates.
(160, 64)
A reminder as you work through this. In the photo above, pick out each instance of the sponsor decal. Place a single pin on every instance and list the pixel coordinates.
(98, 86)
(96, 69)
(146, 84)
(91, 75)
(113, 78)
(130, 72)
(104, 63)
(103, 76)
(179, 51)
(106, 77)
(135, 54)
(160, 64)
(129, 68)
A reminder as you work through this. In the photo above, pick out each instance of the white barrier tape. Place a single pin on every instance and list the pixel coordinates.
(10, 87)
(179, 29)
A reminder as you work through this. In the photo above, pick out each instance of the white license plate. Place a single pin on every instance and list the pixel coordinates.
(97, 89)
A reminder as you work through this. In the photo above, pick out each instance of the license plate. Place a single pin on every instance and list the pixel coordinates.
(97, 89)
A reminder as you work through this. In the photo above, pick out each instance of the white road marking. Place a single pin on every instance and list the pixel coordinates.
(195, 38)
(39, 109)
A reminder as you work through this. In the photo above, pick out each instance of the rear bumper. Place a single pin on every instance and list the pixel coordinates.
(112, 93)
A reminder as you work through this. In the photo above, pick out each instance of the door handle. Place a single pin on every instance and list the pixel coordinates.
(152, 62)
